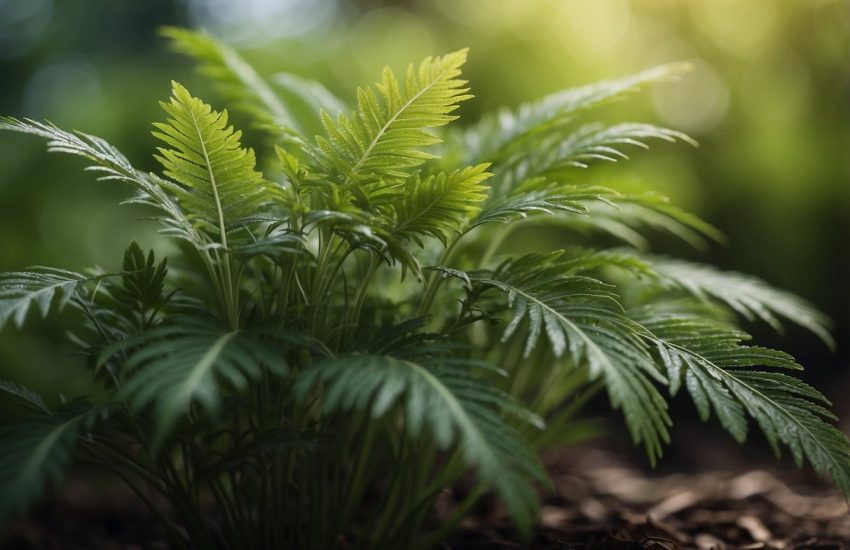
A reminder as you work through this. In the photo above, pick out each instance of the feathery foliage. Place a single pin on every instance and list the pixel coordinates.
(746, 295)
(218, 181)
(375, 147)
(36, 451)
(42, 287)
(446, 399)
(187, 361)
(439, 204)
(235, 79)
(708, 358)
(287, 380)
(581, 316)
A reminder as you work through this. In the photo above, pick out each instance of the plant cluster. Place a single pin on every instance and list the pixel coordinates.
(345, 334)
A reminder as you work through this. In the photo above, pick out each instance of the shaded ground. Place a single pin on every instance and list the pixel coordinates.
(599, 502)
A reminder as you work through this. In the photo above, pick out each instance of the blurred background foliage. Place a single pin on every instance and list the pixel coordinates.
(768, 100)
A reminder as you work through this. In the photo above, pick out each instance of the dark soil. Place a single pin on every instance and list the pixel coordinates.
(598, 502)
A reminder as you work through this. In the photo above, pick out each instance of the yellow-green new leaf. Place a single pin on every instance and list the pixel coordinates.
(384, 139)
(439, 204)
(218, 185)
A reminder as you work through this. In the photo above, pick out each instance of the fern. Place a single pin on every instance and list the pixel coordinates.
(285, 377)
(438, 204)
(388, 131)
(113, 166)
(218, 182)
(447, 400)
(24, 396)
(592, 142)
(629, 219)
(43, 287)
(498, 136)
(581, 315)
(240, 85)
(707, 356)
(189, 361)
(36, 451)
(537, 196)
(746, 295)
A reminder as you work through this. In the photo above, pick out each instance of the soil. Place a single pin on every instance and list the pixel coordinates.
(598, 501)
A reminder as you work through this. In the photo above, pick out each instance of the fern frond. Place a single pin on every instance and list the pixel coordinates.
(190, 360)
(35, 451)
(627, 217)
(312, 94)
(591, 142)
(43, 287)
(218, 183)
(112, 165)
(748, 296)
(581, 316)
(707, 356)
(379, 143)
(599, 142)
(495, 137)
(439, 204)
(445, 399)
(538, 196)
(584, 260)
(237, 82)
(24, 396)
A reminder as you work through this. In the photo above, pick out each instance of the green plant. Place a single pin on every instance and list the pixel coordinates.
(351, 334)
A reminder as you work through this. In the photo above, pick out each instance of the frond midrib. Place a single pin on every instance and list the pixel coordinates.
(213, 184)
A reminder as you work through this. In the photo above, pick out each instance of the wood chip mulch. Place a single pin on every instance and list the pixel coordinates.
(600, 503)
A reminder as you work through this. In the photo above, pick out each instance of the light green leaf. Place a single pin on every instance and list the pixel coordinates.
(378, 145)
(217, 181)
(439, 204)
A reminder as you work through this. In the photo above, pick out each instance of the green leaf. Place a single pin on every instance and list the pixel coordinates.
(378, 145)
(709, 356)
(439, 204)
(218, 183)
(538, 196)
(581, 316)
(43, 287)
(143, 280)
(499, 136)
(237, 81)
(112, 165)
(749, 296)
(446, 399)
(35, 451)
(25, 396)
(627, 218)
(591, 142)
(190, 360)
